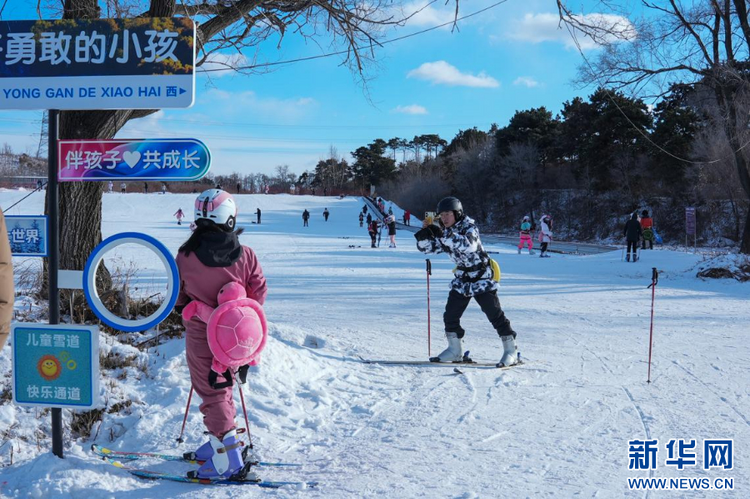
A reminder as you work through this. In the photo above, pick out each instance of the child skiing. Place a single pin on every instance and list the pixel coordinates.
(208, 261)
(458, 236)
(390, 221)
(545, 235)
(525, 236)
(372, 229)
(632, 233)
(647, 226)
(180, 215)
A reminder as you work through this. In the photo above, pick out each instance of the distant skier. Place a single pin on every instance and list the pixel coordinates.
(305, 218)
(163, 188)
(545, 234)
(325, 214)
(369, 219)
(364, 209)
(525, 236)
(647, 226)
(361, 219)
(211, 258)
(390, 210)
(257, 213)
(633, 234)
(180, 215)
(110, 186)
(390, 221)
(407, 217)
(145, 187)
(123, 187)
(372, 229)
(458, 236)
(239, 187)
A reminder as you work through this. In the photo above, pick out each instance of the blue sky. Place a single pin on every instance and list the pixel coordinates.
(510, 58)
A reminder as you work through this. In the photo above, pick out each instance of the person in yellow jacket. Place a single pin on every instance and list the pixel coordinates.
(6, 283)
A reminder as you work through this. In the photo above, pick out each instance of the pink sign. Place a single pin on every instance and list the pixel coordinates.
(128, 159)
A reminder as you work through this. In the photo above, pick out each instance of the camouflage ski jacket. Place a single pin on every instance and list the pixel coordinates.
(462, 244)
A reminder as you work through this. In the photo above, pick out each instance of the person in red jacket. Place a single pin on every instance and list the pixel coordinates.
(647, 226)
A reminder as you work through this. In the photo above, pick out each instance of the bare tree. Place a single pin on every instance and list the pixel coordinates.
(704, 43)
(237, 26)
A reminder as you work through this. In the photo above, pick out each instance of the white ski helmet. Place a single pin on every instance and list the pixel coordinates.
(217, 206)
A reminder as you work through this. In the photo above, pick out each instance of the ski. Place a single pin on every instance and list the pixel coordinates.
(427, 363)
(157, 475)
(130, 456)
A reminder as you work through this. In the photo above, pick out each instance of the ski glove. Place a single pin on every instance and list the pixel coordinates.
(429, 232)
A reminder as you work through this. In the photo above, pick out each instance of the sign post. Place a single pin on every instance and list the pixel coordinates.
(82, 64)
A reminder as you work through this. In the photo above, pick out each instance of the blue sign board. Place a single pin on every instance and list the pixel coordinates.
(55, 365)
(27, 235)
(140, 63)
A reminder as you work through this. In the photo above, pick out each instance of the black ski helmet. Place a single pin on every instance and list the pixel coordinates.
(451, 204)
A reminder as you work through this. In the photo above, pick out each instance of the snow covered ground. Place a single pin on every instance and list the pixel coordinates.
(558, 426)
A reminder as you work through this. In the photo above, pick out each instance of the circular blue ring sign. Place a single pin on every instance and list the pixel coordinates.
(92, 295)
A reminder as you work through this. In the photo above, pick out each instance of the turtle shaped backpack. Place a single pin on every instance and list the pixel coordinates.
(236, 330)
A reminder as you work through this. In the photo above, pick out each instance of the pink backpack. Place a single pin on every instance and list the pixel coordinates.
(236, 330)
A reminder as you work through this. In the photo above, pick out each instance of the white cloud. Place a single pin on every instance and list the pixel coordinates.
(426, 17)
(249, 104)
(440, 72)
(526, 81)
(411, 109)
(547, 27)
(224, 62)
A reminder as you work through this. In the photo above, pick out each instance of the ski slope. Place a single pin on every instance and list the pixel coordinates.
(558, 426)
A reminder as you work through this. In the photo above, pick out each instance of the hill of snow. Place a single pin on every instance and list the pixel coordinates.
(558, 426)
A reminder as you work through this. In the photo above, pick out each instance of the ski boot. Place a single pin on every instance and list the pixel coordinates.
(226, 463)
(510, 352)
(627, 257)
(519, 251)
(454, 352)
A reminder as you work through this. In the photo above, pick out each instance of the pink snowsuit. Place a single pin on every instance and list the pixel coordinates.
(201, 282)
(525, 236)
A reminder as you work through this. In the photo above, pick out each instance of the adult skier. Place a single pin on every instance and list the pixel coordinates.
(545, 234)
(325, 214)
(525, 236)
(180, 215)
(632, 234)
(361, 219)
(257, 214)
(305, 218)
(458, 236)
(209, 259)
(123, 187)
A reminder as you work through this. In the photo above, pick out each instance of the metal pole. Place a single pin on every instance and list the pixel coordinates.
(654, 281)
(53, 231)
(429, 272)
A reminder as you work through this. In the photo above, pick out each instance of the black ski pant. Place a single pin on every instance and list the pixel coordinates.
(634, 246)
(650, 243)
(373, 236)
(490, 304)
(544, 247)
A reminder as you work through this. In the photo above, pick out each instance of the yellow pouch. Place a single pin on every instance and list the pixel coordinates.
(495, 270)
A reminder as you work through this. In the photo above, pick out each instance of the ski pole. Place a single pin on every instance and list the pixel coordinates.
(184, 420)
(654, 281)
(244, 410)
(429, 272)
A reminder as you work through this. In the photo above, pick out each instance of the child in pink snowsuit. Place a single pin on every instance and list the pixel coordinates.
(209, 259)
(525, 235)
